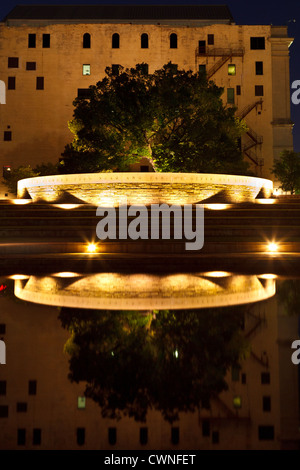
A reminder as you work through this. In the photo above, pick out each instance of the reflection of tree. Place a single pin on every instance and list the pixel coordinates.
(168, 360)
(289, 295)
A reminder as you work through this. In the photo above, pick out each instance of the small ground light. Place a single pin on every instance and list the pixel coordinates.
(92, 248)
(272, 247)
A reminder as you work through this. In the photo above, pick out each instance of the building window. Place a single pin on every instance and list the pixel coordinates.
(31, 40)
(230, 95)
(21, 437)
(32, 386)
(81, 403)
(112, 436)
(231, 69)
(259, 68)
(237, 402)
(13, 62)
(266, 433)
(2, 325)
(259, 90)
(257, 43)
(37, 437)
(205, 428)
(202, 69)
(115, 69)
(115, 41)
(46, 41)
(145, 68)
(238, 89)
(86, 41)
(80, 436)
(30, 65)
(173, 41)
(2, 387)
(7, 136)
(266, 403)
(244, 379)
(39, 83)
(86, 69)
(210, 39)
(175, 436)
(215, 437)
(84, 93)
(11, 83)
(21, 407)
(144, 41)
(265, 378)
(202, 47)
(143, 436)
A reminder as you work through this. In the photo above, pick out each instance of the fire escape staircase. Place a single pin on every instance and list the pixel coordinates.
(223, 53)
(254, 138)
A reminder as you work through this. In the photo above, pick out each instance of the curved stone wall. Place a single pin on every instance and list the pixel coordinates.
(110, 189)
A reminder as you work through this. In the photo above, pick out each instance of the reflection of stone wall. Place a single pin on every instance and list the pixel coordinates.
(108, 189)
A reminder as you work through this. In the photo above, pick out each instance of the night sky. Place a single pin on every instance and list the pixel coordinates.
(277, 12)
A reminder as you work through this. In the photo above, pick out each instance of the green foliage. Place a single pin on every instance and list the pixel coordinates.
(287, 170)
(171, 361)
(12, 177)
(175, 118)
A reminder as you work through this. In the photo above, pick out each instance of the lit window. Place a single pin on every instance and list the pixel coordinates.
(144, 41)
(231, 69)
(86, 41)
(237, 402)
(86, 69)
(230, 95)
(31, 40)
(173, 41)
(46, 41)
(115, 41)
(81, 403)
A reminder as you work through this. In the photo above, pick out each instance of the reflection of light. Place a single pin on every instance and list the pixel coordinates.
(92, 248)
(265, 201)
(217, 274)
(267, 276)
(18, 277)
(66, 206)
(273, 247)
(66, 274)
(217, 207)
(21, 201)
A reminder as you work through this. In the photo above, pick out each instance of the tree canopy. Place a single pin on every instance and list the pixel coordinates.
(287, 170)
(175, 118)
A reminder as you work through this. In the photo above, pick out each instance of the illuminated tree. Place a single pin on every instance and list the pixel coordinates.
(287, 170)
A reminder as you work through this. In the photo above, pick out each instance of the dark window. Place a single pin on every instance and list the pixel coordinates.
(202, 68)
(30, 65)
(11, 83)
(144, 168)
(31, 40)
(265, 378)
(266, 433)
(144, 41)
(2, 387)
(173, 68)
(32, 386)
(37, 437)
(210, 39)
(259, 68)
(143, 436)
(86, 41)
(202, 47)
(7, 136)
(112, 436)
(21, 407)
(244, 379)
(173, 41)
(80, 436)
(257, 43)
(84, 93)
(2, 325)
(39, 83)
(46, 41)
(21, 437)
(3, 411)
(215, 438)
(238, 89)
(205, 428)
(259, 90)
(145, 69)
(266, 403)
(175, 436)
(115, 69)
(230, 95)
(13, 62)
(115, 41)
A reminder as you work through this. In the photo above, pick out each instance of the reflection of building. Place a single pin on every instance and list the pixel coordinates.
(53, 53)
(40, 408)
